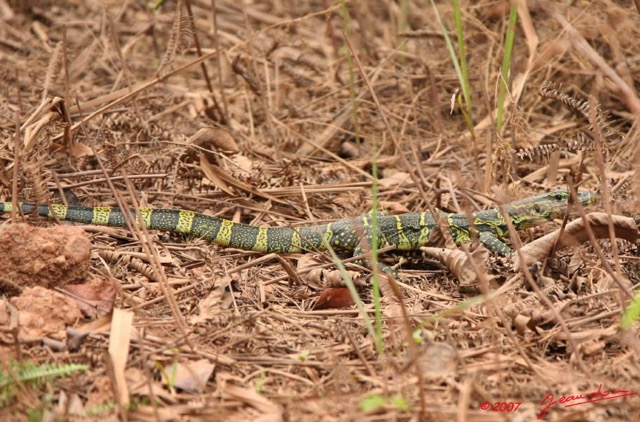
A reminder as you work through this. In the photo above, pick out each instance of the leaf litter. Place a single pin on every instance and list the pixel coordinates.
(256, 113)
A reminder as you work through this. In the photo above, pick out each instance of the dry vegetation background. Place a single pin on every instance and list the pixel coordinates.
(256, 111)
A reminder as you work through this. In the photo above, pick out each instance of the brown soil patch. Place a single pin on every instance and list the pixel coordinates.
(267, 119)
(45, 257)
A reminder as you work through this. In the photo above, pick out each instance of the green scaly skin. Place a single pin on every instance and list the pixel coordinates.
(405, 231)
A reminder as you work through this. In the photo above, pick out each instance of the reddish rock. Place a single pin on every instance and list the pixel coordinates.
(47, 257)
(44, 313)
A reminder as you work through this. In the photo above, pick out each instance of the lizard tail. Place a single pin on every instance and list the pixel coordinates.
(217, 230)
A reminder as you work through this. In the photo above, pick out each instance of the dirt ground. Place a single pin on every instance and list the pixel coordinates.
(285, 113)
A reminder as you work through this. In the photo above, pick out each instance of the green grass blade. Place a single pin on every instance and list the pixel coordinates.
(458, 64)
(506, 65)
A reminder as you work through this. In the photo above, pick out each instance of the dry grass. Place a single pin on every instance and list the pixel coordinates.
(109, 96)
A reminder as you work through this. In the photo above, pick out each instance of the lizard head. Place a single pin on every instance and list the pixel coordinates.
(535, 210)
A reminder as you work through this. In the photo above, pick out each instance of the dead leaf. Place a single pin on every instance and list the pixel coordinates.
(214, 139)
(95, 299)
(575, 264)
(191, 377)
(121, 326)
(393, 207)
(521, 323)
(392, 296)
(79, 150)
(593, 347)
(334, 298)
(271, 412)
(140, 384)
(213, 174)
(540, 278)
(38, 120)
(396, 180)
(591, 334)
(440, 236)
(575, 232)
(458, 263)
(218, 301)
(438, 362)
(226, 182)
(241, 166)
(323, 277)
(75, 407)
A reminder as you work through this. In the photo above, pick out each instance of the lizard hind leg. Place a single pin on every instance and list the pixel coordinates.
(494, 244)
(359, 250)
(365, 226)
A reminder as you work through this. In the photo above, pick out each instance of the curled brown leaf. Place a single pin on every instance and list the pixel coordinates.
(575, 232)
(459, 264)
(311, 273)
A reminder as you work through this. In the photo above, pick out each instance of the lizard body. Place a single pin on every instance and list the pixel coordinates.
(405, 231)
